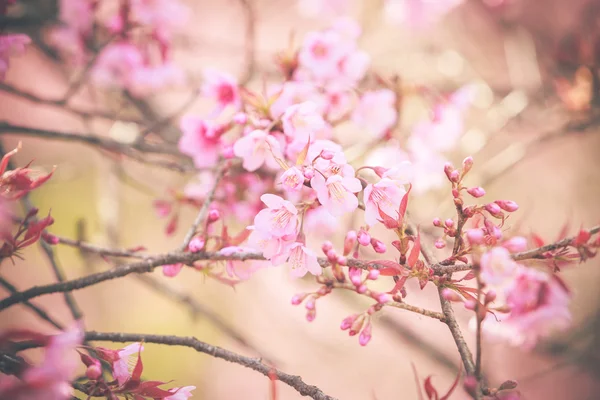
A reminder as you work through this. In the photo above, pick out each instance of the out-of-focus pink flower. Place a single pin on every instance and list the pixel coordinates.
(52, 378)
(303, 260)
(163, 16)
(338, 102)
(243, 269)
(321, 8)
(497, 267)
(149, 78)
(279, 219)
(336, 193)
(11, 45)
(70, 42)
(294, 92)
(124, 361)
(77, 15)
(417, 13)
(321, 52)
(183, 393)
(402, 172)
(200, 140)
(256, 148)
(301, 121)
(318, 221)
(376, 112)
(172, 270)
(385, 195)
(292, 179)
(539, 305)
(117, 64)
(221, 87)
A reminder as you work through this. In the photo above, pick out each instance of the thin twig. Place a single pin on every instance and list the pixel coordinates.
(102, 251)
(418, 310)
(293, 381)
(537, 253)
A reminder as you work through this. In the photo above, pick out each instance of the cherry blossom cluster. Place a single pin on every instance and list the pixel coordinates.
(64, 352)
(10, 44)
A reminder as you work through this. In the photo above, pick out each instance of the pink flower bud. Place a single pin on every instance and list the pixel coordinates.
(171, 270)
(342, 260)
(348, 321)
(373, 274)
(240, 118)
(467, 164)
(448, 168)
(355, 275)
(213, 215)
(378, 246)
(297, 299)
(507, 205)
(449, 223)
(476, 191)
(310, 303)
(364, 238)
(380, 171)
(455, 193)
(327, 154)
(309, 172)
(196, 244)
(365, 335)
(383, 298)
(490, 296)
(470, 304)
(349, 242)
(332, 255)
(469, 211)
(227, 152)
(439, 243)
(361, 289)
(437, 222)
(475, 236)
(357, 325)
(454, 176)
(515, 244)
(470, 385)
(311, 315)
(94, 371)
(50, 238)
(494, 210)
(327, 245)
(451, 295)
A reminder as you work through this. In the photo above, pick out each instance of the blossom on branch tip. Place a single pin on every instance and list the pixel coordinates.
(279, 219)
(497, 267)
(200, 140)
(223, 88)
(303, 260)
(384, 195)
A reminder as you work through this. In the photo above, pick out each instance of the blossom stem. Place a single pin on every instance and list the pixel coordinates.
(537, 253)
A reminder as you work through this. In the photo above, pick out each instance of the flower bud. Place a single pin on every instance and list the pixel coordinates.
(309, 172)
(490, 296)
(470, 304)
(357, 325)
(449, 223)
(196, 244)
(327, 245)
(475, 236)
(361, 289)
(327, 154)
(467, 164)
(448, 168)
(332, 255)
(355, 275)
(383, 298)
(437, 222)
(470, 385)
(311, 315)
(373, 274)
(378, 246)
(310, 303)
(365, 335)
(439, 243)
(454, 176)
(363, 238)
(94, 371)
(240, 118)
(494, 210)
(297, 299)
(476, 191)
(213, 215)
(348, 321)
(507, 205)
(342, 260)
(50, 238)
(451, 295)
(469, 211)
(455, 193)
(515, 244)
(349, 242)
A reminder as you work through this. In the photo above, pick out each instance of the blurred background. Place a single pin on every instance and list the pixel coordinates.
(533, 132)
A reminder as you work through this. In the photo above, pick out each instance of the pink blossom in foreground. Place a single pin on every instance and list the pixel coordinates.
(11, 45)
(124, 361)
(292, 179)
(239, 268)
(256, 148)
(274, 249)
(497, 267)
(539, 305)
(279, 219)
(200, 140)
(301, 121)
(376, 112)
(386, 196)
(336, 193)
(51, 380)
(221, 87)
(402, 172)
(303, 260)
(183, 393)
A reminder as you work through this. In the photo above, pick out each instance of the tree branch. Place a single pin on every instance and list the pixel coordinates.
(537, 253)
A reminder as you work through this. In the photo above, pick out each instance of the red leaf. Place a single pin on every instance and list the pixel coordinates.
(416, 249)
(151, 389)
(172, 225)
(420, 394)
(389, 222)
(537, 240)
(399, 285)
(430, 390)
(273, 386)
(139, 367)
(582, 238)
(447, 395)
(392, 268)
(34, 230)
(403, 205)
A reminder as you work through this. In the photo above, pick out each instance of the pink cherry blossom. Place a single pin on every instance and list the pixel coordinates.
(385, 195)
(77, 15)
(163, 16)
(318, 221)
(294, 92)
(221, 87)
(125, 361)
(11, 45)
(200, 140)
(117, 64)
(274, 249)
(292, 179)
(336, 193)
(497, 267)
(301, 121)
(321, 52)
(376, 113)
(402, 172)
(320, 8)
(279, 219)
(256, 148)
(303, 260)
(240, 268)
(149, 78)
(183, 393)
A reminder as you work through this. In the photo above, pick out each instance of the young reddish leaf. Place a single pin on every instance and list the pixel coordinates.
(139, 367)
(34, 230)
(392, 268)
(417, 381)
(537, 240)
(403, 205)
(6, 158)
(582, 238)
(172, 225)
(151, 389)
(273, 384)
(389, 222)
(399, 285)
(454, 385)
(430, 390)
(414, 253)
(303, 153)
